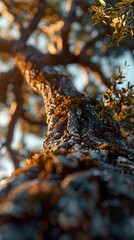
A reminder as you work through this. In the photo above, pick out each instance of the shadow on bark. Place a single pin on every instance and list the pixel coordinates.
(81, 185)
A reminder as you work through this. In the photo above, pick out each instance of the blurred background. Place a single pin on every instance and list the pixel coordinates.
(64, 32)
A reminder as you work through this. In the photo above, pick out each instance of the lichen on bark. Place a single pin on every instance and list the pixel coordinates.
(73, 119)
(81, 185)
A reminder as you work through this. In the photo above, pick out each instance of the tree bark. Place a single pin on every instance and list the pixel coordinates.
(73, 120)
(81, 185)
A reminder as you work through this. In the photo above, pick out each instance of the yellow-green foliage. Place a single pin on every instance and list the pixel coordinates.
(120, 17)
(119, 103)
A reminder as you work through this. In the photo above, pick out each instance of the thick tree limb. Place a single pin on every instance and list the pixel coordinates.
(73, 122)
(82, 185)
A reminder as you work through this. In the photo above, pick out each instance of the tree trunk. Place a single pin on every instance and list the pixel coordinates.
(81, 185)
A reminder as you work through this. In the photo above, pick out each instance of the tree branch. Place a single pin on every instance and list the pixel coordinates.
(14, 77)
(66, 29)
(33, 24)
(15, 116)
(73, 121)
(91, 43)
(7, 46)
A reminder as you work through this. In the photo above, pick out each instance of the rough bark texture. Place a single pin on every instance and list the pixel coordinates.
(73, 121)
(82, 185)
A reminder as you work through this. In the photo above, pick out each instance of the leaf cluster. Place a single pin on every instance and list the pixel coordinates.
(118, 103)
(120, 17)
